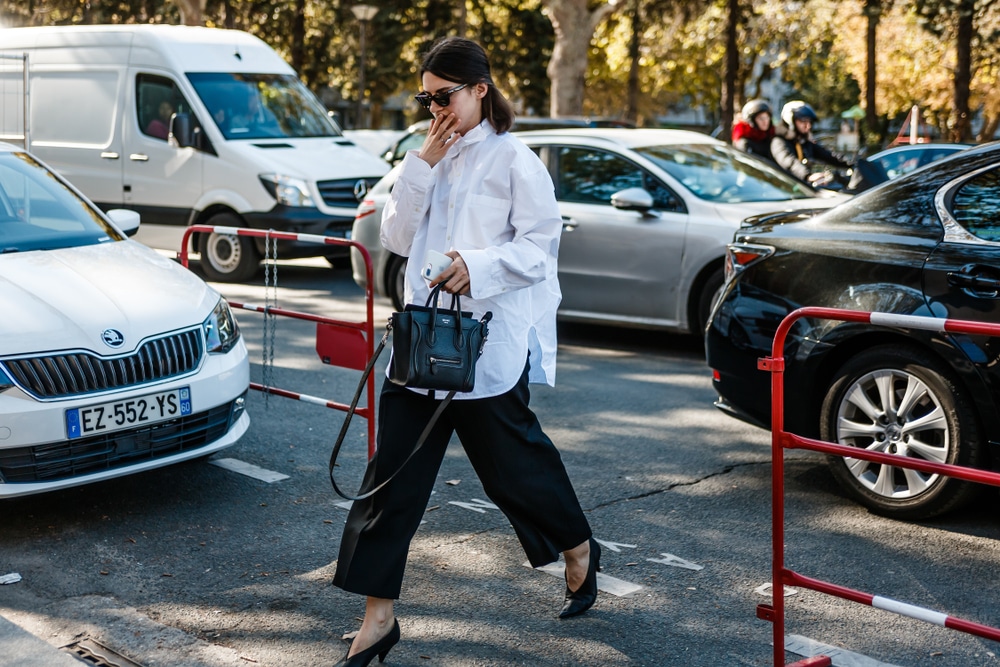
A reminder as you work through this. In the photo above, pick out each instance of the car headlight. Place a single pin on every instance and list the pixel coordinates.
(288, 191)
(221, 331)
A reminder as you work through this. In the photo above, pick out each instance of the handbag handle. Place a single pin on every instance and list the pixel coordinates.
(456, 305)
(350, 413)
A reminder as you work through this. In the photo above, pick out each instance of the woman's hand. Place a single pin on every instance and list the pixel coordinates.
(454, 279)
(441, 136)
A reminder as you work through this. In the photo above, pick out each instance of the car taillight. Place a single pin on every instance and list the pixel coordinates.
(741, 255)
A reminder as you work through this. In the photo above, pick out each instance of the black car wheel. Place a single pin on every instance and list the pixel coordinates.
(899, 400)
(227, 257)
(395, 279)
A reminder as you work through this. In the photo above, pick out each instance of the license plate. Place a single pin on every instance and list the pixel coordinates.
(128, 413)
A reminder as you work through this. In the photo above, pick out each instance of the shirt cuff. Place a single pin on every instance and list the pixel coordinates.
(478, 264)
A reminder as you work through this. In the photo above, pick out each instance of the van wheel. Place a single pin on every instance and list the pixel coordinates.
(226, 257)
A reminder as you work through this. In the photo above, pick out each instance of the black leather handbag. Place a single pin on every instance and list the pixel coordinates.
(432, 348)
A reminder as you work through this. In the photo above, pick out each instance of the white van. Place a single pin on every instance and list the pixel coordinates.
(189, 125)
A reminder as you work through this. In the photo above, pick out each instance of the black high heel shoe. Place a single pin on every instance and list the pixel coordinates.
(379, 648)
(583, 598)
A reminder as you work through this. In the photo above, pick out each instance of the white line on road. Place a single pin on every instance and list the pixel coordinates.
(614, 545)
(808, 648)
(608, 584)
(765, 589)
(249, 469)
(674, 561)
(476, 505)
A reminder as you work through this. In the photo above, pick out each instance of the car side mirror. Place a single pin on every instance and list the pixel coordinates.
(125, 220)
(181, 131)
(632, 199)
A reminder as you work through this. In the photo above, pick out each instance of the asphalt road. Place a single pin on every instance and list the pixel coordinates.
(197, 565)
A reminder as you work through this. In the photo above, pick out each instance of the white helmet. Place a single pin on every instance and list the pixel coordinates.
(797, 110)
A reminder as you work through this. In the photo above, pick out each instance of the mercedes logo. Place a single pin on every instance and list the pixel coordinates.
(360, 189)
(112, 338)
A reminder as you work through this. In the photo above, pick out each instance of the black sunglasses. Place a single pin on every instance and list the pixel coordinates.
(442, 99)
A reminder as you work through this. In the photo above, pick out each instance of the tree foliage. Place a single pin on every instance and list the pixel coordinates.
(641, 58)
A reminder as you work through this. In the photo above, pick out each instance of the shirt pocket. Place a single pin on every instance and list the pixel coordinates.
(487, 219)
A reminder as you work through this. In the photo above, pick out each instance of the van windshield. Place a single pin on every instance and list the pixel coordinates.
(262, 106)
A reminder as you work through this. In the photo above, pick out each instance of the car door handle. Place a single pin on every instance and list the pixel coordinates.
(109, 155)
(139, 157)
(569, 224)
(981, 285)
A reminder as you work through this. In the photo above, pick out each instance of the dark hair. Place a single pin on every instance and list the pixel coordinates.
(464, 61)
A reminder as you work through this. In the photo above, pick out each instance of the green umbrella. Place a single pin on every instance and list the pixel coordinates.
(855, 112)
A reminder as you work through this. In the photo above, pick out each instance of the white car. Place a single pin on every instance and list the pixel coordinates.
(647, 214)
(113, 359)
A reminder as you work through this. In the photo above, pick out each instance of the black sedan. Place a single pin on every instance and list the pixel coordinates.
(926, 244)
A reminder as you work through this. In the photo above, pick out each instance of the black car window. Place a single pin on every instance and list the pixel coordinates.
(592, 176)
(976, 205)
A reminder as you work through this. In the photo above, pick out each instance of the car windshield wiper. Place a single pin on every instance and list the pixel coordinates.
(10, 249)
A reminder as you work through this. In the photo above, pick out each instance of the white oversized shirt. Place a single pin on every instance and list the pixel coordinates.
(491, 199)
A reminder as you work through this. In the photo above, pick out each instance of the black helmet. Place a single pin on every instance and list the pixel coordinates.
(754, 107)
(797, 110)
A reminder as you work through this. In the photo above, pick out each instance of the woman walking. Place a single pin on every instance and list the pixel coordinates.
(480, 196)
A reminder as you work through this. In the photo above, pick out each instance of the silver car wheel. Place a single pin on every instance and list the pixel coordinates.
(894, 412)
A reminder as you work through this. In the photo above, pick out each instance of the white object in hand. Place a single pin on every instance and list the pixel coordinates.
(434, 264)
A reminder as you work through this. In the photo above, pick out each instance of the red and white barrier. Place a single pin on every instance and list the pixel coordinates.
(781, 440)
(341, 343)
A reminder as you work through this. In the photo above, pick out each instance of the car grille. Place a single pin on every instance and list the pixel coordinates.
(341, 192)
(76, 373)
(83, 456)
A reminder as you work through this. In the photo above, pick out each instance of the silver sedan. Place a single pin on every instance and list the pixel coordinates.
(646, 216)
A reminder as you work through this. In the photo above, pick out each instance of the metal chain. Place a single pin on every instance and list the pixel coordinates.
(270, 322)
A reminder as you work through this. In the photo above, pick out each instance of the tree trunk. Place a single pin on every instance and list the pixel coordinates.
(192, 11)
(574, 27)
(872, 10)
(732, 65)
(991, 121)
(298, 46)
(961, 130)
(632, 106)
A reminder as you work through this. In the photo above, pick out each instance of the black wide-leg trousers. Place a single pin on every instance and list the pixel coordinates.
(519, 467)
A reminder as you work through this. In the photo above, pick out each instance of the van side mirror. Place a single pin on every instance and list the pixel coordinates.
(181, 131)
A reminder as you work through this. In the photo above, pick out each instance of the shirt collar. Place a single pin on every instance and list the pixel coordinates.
(478, 133)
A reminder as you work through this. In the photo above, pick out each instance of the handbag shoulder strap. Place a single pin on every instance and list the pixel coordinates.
(350, 413)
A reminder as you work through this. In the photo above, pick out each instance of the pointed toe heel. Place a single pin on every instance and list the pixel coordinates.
(380, 648)
(585, 596)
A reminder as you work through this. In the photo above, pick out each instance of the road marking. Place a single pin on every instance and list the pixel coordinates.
(606, 583)
(346, 504)
(765, 589)
(614, 545)
(808, 648)
(674, 561)
(249, 469)
(476, 505)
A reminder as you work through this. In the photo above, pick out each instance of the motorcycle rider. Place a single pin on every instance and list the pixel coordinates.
(795, 151)
(754, 131)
